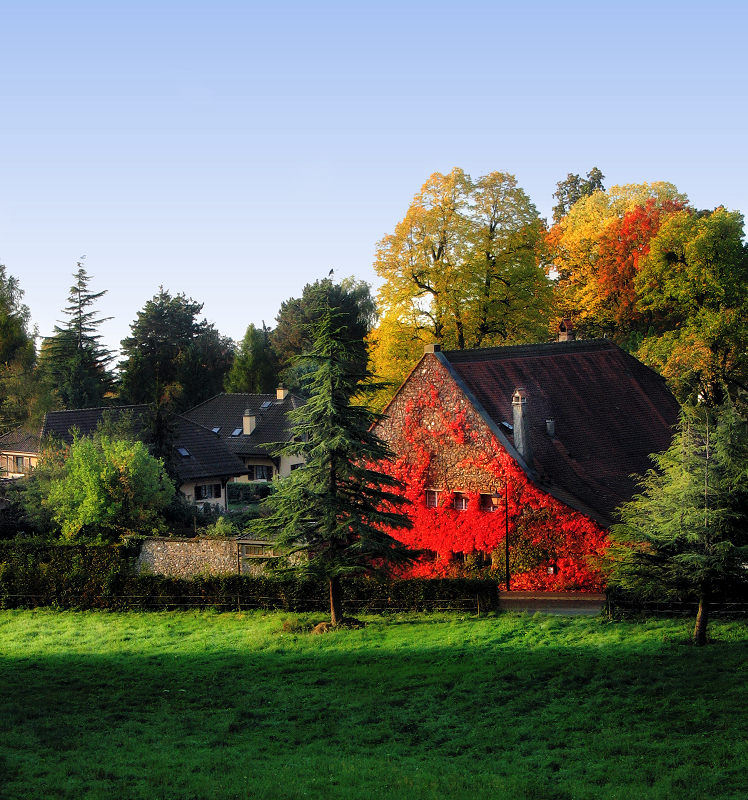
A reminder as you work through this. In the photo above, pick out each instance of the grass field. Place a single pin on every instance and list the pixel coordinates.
(204, 705)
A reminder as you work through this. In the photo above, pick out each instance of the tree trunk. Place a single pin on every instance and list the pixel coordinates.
(336, 601)
(702, 618)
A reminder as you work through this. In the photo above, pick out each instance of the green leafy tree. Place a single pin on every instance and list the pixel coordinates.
(24, 395)
(255, 367)
(333, 517)
(573, 189)
(686, 533)
(111, 487)
(292, 335)
(171, 357)
(73, 359)
(694, 280)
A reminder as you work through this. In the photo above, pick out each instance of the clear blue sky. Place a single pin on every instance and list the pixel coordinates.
(235, 151)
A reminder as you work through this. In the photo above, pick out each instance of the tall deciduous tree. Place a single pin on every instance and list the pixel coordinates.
(255, 367)
(687, 532)
(695, 280)
(73, 358)
(19, 384)
(584, 248)
(464, 268)
(333, 517)
(171, 357)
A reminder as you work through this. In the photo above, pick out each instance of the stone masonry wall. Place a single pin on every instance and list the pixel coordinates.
(185, 558)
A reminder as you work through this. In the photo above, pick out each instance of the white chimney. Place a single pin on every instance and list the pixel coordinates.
(248, 422)
(281, 393)
(522, 442)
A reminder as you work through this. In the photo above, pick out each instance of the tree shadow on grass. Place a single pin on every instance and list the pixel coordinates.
(458, 719)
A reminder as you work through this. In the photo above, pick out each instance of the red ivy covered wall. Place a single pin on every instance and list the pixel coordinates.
(443, 444)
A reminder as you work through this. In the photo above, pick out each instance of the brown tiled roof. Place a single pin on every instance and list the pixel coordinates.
(610, 413)
(20, 441)
(226, 412)
(208, 456)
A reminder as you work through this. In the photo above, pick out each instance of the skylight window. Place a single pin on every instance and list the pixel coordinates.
(236, 432)
(266, 404)
(183, 451)
(217, 429)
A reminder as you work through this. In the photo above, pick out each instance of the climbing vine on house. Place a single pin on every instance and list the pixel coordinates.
(552, 547)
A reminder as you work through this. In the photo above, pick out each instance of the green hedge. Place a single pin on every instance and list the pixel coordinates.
(34, 574)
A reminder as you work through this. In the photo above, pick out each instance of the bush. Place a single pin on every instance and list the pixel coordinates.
(248, 493)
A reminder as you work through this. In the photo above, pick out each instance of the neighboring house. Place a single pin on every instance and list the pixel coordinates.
(202, 462)
(248, 424)
(547, 435)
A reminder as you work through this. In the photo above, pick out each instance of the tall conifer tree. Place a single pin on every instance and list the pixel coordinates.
(687, 532)
(333, 517)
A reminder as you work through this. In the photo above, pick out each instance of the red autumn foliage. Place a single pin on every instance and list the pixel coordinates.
(542, 531)
(622, 244)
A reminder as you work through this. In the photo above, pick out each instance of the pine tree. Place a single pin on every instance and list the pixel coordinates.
(687, 532)
(73, 357)
(333, 517)
(255, 367)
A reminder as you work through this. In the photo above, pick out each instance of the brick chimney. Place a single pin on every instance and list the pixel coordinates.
(249, 420)
(566, 331)
(522, 442)
(432, 348)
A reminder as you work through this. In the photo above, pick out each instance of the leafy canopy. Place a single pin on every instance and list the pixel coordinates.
(110, 487)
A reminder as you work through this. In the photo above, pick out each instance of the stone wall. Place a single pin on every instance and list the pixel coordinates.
(185, 558)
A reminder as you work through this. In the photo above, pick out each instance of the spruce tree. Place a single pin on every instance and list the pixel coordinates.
(686, 534)
(73, 357)
(334, 516)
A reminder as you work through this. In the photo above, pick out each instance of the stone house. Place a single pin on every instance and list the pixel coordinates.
(547, 435)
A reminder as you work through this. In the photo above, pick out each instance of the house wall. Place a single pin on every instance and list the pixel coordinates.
(11, 468)
(186, 558)
(188, 490)
(286, 463)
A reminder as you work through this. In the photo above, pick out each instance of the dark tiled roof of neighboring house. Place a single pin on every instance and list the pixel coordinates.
(609, 410)
(208, 456)
(225, 412)
(59, 424)
(20, 441)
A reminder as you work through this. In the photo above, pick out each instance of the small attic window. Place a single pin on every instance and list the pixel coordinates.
(507, 427)
(183, 451)
(236, 432)
(217, 429)
(266, 404)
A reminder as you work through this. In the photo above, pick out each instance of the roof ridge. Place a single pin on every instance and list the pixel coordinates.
(512, 349)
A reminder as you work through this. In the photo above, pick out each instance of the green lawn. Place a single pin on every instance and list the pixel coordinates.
(204, 705)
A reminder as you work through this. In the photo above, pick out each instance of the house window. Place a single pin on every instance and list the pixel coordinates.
(489, 503)
(296, 466)
(259, 472)
(208, 491)
(19, 463)
(460, 501)
(432, 498)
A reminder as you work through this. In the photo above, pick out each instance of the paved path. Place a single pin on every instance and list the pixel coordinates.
(573, 604)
